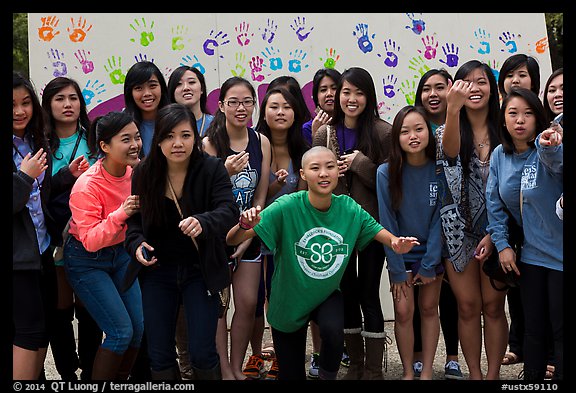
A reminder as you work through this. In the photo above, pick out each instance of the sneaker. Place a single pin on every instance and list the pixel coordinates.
(272, 374)
(314, 365)
(345, 358)
(452, 370)
(417, 367)
(254, 367)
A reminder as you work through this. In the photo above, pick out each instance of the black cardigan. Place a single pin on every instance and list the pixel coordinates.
(212, 203)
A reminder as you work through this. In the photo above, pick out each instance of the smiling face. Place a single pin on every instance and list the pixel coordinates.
(239, 116)
(479, 96)
(147, 97)
(555, 94)
(352, 101)
(320, 170)
(189, 90)
(414, 134)
(434, 92)
(22, 110)
(124, 147)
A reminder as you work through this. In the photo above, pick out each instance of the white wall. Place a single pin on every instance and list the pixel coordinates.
(97, 49)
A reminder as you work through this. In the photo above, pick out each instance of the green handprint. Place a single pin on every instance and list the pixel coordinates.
(178, 38)
(115, 73)
(239, 69)
(146, 37)
(408, 88)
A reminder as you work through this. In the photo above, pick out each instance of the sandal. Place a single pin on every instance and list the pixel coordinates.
(510, 358)
(268, 352)
(550, 371)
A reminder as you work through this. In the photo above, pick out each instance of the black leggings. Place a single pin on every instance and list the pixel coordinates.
(542, 292)
(361, 291)
(290, 347)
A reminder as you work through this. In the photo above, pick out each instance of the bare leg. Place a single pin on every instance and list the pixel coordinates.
(26, 364)
(222, 348)
(429, 297)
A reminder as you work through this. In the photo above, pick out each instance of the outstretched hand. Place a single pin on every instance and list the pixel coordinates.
(403, 244)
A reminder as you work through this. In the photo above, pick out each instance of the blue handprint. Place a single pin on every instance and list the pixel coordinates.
(275, 62)
(298, 56)
(418, 25)
(483, 38)
(364, 42)
(509, 40)
(92, 90)
(187, 60)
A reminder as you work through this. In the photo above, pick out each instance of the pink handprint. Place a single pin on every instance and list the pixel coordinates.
(47, 31)
(78, 33)
(430, 45)
(243, 33)
(256, 69)
(87, 65)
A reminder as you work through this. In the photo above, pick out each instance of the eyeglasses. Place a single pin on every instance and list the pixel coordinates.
(235, 103)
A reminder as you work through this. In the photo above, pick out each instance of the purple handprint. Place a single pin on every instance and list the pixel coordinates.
(60, 68)
(451, 53)
(390, 86)
(270, 31)
(364, 42)
(391, 59)
(87, 65)
(418, 25)
(212, 43)
(299, 26)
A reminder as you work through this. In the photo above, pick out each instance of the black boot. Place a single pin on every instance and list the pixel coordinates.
(533, 375)
(214, 374)
(106, 365)
(89, 340)
(170, 374)
(63, 343)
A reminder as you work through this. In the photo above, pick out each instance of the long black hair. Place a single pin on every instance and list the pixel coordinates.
(174, 80)
(150, 178)
(36, 127)
(397, 156)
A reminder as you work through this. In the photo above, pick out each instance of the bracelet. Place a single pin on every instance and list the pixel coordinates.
(243, 225)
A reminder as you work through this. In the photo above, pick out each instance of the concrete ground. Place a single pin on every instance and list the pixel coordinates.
(394, 369)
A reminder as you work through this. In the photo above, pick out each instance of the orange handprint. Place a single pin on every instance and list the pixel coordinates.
(47, 32)
(79, 33)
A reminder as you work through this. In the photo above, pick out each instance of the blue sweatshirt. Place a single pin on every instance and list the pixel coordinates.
(419, 216)
(538, 174)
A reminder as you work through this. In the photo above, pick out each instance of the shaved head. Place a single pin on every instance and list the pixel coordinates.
(313, 152)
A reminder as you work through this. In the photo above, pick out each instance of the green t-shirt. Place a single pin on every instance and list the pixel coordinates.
(311, 250)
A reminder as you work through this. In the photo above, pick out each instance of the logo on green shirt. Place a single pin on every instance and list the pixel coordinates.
(321, 252)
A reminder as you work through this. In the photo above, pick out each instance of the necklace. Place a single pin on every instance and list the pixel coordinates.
(484, 142)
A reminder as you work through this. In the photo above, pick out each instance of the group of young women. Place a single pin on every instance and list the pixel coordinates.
(131, 214)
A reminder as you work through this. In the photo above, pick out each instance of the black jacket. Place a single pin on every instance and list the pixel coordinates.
(25, 252)
(211, 201)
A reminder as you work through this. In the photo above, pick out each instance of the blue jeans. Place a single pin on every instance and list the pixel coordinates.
(163, 288)
(96, 278)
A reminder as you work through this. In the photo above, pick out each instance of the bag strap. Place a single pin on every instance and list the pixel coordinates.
(178, 207)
